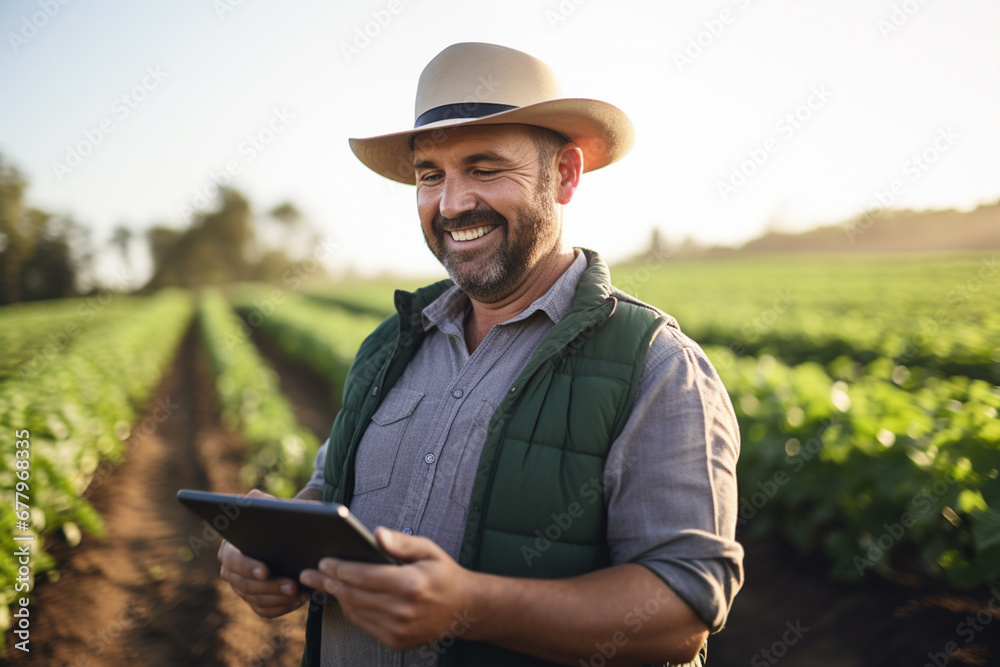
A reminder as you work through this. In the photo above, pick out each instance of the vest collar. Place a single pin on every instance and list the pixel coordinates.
(409, 305)
(595, 283)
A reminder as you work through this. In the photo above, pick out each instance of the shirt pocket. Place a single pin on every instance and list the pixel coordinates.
(472, 448)
(380, 444)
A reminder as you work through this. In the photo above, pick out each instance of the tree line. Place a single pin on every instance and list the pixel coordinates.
(49, 256)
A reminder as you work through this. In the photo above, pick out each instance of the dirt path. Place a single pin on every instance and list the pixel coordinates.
(149, 594)
(308, 394)
(789, 610)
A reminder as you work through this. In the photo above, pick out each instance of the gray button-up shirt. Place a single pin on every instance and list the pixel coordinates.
(670, 481)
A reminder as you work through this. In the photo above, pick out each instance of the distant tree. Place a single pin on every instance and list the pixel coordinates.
(41, 256)
(229, 236)
(160, 239)
(299, 238)
(271, 267)
(121, 239)
(657, 243)
(52, 272)
(690, 246)
(20, 228)
(287, 213)
(216, 248)
(222, 246)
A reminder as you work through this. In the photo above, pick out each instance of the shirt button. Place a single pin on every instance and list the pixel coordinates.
(407, 531)
(458, 393)
(429, 458)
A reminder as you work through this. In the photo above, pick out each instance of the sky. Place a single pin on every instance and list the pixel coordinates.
(750, 115)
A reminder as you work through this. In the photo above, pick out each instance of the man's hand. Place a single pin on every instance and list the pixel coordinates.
(249, 579)
(401, 606)
(431, 597)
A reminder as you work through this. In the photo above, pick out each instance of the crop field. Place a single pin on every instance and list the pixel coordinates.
(867, 391)
(867, 398)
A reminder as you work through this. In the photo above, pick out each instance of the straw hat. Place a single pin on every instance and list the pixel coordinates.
(484, 84)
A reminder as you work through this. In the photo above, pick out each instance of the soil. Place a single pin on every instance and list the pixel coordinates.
(149, 593)
(789, 612)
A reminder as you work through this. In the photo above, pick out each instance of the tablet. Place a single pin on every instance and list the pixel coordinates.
(288, 535)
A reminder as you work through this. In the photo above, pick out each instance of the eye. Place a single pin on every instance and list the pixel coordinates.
(430, 178)
(486, 172)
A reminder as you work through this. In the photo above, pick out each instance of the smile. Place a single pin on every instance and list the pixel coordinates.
(471, 234)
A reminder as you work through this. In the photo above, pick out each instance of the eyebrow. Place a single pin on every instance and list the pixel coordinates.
(475, 158)
(485, 157)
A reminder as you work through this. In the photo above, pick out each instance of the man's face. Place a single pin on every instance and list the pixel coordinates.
(487, 212)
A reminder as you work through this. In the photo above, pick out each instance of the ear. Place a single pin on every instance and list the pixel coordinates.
(569, 163)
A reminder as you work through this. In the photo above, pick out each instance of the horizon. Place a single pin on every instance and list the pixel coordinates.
(791, 117)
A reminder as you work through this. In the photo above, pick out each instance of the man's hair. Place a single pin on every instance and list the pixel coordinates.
(548, 142)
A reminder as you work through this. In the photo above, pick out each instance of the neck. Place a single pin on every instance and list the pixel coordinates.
(484, 316)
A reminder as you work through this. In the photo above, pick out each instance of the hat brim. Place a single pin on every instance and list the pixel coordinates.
(602, 130)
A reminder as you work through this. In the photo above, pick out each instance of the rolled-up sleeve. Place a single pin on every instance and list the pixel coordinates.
(670, 480)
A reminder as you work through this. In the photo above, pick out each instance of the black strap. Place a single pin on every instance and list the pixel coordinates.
(460, 110)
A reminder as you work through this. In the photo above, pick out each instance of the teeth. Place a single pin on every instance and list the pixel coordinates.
(470, 234)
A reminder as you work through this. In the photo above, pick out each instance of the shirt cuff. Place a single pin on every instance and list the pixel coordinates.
(707, 585)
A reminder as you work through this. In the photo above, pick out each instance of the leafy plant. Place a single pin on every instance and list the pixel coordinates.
(78, 412)
(251, 404)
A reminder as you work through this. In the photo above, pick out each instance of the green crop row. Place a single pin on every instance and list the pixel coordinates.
(942, 313)
(369, 298)
(33, 334)
(322, 338)
(281, 453)
(73, 416)
(885, 468)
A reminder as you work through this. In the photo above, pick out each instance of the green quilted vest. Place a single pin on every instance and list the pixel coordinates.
(537, 506)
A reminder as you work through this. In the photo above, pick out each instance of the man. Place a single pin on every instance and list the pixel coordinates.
(555, 460)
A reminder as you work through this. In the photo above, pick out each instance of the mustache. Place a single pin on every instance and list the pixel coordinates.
(477, 217)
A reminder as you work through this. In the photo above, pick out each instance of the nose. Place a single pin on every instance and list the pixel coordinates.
(457, 197)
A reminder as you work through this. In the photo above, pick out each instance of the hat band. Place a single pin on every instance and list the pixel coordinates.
(460, 110)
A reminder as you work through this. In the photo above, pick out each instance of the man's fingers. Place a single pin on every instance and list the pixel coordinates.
(233, 560)
(383, 578)
(407, 548)
(248, 578)
(311, 578)
(332, 585)
(319, 581)
(267, 598)
(251, 586)
(357, 602)
(376, 578)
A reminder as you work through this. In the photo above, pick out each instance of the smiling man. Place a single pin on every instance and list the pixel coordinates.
(552, 460)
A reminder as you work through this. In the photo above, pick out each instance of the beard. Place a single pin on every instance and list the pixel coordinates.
(493, 271)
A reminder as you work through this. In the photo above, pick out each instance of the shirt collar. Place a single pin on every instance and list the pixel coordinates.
(448, 311)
